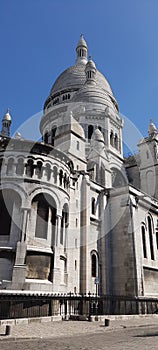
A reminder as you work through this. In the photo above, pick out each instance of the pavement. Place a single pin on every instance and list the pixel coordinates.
(46, 329)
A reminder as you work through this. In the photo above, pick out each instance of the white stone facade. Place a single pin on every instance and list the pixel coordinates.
(74, 215)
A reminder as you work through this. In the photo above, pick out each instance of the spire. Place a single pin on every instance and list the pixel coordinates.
(90, 70)
(6, 122)
(152, 128)
(81, 50)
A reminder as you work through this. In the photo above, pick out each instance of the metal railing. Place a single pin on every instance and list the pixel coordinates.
(72, 305)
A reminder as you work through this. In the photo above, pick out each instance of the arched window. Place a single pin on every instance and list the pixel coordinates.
(20, 167)
(112, 138)
(78, 145)
(46, 211)
(65, 180)
(53, 132)
(150, 237)
(56, 101)
(70, 164)
(48, 171)
(90, 131)
(39, 169)
(64, 224)
(42, 219)
(62, 228)
(116, 141)
(55, 172)
(29, 168)
(94, 265)
(10, 166)
(45, 138)
(93, 208)
(144, 242)
(60, 177)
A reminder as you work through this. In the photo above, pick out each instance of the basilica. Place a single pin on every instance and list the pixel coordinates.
(75, 215)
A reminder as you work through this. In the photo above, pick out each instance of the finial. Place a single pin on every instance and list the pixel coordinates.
(151, 121)
(90, 57)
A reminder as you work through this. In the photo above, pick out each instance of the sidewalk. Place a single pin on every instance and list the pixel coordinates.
(46, 329)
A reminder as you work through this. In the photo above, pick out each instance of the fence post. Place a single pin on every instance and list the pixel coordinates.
(8, 330)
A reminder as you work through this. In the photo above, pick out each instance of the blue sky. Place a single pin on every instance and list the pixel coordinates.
(38, 40)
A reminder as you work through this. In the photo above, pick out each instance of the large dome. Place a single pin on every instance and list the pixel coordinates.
(74, 78)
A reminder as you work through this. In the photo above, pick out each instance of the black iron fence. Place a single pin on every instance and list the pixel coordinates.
(72, 305)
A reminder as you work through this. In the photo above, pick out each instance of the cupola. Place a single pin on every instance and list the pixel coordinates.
(81, 51)
(90, 70)
(152, 128)
(6, 122)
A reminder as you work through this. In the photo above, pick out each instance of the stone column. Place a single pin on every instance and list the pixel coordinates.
(106, 137)
(102, 245)
(49, 230)
(19, 270)
(86, 131)
(83, 237)
(58, 229)
(57, 252)
(65, 236)
(33, 218)
(25, 213)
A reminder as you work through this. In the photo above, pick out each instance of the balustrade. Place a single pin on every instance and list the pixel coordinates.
(34, 169)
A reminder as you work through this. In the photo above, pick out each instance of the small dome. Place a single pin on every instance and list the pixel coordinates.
(97, 136)
(90, 71)
(7, 116)
(17, 135)
(152, 128)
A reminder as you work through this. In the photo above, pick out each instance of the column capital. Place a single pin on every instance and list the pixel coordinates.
(25, 208)
(59, 213)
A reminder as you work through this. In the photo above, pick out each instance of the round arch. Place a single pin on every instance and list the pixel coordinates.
(118, 179)
(94, 263)
(18, 189)
(45, 191)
